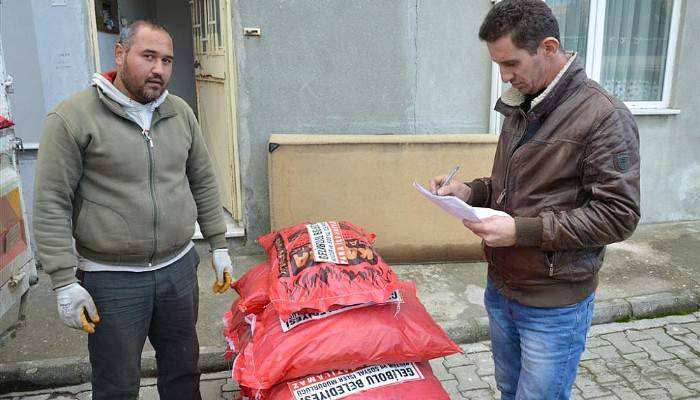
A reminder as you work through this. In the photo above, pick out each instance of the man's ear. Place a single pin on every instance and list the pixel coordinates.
(119, 54)
(550, 45)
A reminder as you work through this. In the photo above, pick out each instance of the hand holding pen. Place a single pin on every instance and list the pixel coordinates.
(449, 177)
(442, 185)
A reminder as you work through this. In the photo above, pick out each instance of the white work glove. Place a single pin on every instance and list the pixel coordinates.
(73, 302)
(223, 269)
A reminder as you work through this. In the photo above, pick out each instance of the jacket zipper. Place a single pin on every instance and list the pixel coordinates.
(151, 178)
(502, 196)
(550, 261)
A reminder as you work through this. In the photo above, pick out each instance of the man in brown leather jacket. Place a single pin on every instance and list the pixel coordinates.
(566, 170)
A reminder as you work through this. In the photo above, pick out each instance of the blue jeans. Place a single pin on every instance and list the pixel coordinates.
(536, 350)
(161, 305)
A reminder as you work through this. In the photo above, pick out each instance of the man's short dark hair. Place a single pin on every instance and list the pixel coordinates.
(126, 36)
(527, 21)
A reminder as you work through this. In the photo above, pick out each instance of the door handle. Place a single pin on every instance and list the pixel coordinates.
(197, 64)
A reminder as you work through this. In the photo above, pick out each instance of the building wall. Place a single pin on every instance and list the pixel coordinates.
(22, 62)
(360, 67)
(670, 145)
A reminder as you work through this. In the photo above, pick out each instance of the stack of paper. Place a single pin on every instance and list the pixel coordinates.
(457, 207)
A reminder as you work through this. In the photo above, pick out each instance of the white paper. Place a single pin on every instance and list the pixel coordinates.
(458, 208)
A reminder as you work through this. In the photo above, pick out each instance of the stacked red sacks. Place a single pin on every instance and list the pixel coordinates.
(322, 318)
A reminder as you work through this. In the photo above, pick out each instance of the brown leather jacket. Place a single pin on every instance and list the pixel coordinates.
(572, 189)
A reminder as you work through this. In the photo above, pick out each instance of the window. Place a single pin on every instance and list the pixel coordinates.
(626, 45)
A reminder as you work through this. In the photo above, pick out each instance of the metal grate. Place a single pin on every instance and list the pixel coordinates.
(206, 26)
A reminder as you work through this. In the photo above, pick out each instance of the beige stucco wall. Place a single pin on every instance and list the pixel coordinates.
(367, 179)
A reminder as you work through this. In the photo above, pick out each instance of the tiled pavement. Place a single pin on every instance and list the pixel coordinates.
(648, 359)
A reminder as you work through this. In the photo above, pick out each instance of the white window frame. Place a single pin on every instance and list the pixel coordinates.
(594, 56)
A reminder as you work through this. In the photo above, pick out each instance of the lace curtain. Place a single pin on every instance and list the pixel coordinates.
(635, 47)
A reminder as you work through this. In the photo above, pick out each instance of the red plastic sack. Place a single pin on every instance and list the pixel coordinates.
(253, 287)
(377, 382)
(356, 275)
(5, 122)
(236, 330)
(384, 333)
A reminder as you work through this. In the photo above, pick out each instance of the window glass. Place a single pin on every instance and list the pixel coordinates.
(635, 46)
(572, 16)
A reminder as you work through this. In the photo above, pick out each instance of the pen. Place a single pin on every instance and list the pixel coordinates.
(450, 176)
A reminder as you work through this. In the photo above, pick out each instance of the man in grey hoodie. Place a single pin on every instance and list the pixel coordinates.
(122, 175)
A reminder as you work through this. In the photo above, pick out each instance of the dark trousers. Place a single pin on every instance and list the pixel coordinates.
(161, 305)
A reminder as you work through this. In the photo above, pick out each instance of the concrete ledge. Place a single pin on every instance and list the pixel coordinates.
(69, 371)
(39, 374)
(611, 310)
(663, 303)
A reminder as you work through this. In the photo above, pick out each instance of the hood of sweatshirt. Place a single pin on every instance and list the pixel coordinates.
(140, 113)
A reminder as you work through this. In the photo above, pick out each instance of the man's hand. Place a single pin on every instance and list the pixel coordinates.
(453, 188)
(223, 269)
(496, 231)
(73, 302)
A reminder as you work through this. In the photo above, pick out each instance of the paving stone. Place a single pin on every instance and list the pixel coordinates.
(693, 326)
(484, 363)
(588, 355)
(680, 370)
(38, 397)
(593, 342)
(675, 330)
(600, 371)
(491, 380)
(682, 352)
(440, 371)
(588, 386)
(634, 335)
(623, 391)
(450, 387)
(606, 352)
(655, 394)
(651, 369)
(656, 352)
(675, 388)
(467, 378)
(619, 340)
(664, 339)
(455, 360)
(481, 394)
(636, 378)
(575, 392)
(691, 340)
